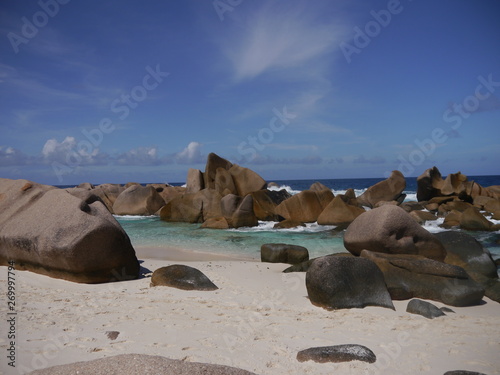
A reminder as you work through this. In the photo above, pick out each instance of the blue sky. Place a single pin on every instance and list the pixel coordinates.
(121, 91)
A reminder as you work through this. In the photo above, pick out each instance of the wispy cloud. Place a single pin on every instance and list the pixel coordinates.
(281, 36)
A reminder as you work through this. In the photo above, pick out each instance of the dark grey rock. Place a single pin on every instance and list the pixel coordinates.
(424, 308)
(337, 353)
(338, 282)
(413, 276)
(463, 372)
(182, 277)
(283, 253)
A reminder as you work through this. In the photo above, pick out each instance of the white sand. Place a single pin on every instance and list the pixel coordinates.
(258, 320)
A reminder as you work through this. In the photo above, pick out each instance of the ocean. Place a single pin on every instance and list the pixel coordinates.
(150, 231)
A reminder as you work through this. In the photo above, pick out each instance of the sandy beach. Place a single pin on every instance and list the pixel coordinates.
(257, 320)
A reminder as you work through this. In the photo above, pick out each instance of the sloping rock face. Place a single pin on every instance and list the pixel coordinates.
(413, 276)
(305, 206)
(265, 203)
(339, 213)
(424, 308)
(390, 189)
(335, 282)
(390, 229)
(49, 231)
(138, 200)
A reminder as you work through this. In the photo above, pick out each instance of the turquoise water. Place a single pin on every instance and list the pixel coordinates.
(320, 240)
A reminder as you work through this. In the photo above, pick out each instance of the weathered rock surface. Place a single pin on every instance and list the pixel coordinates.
(337, 354)
(335, 282)
(390, 189)
(244, 216)
(283, 253)
(472, 219)
(305, 206)
(49, 231)
(216, 223)
(390, 229)
(413, 276)
(182, 277)
(183, 209)
(194, 181)
(265, 203)
(138, 200)
(246, 180)
(424, 308)
(429, 184)
(139, 364)
(337, 212)
(286, 224)
(214, 161)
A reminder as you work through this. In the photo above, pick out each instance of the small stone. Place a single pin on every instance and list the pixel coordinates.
(112, 335)
(426, 309)
(337, 353)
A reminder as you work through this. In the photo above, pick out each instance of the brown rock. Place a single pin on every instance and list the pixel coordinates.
(224, 182)
(229, 204)
(287, 224)
(390, 229)
(49, 231)
(210, 202)
(387, 190)
(182, 209)
(429, 184)
(182, 277)
(213, 162)
(422, 216)
(138, 200)
(305, 206)
(244, 215)
(338, 212)
(194, 181)
(472, 219)
(112, 191)
(216, 223)
(452, 219)
(265, 203)
(318, 186)
(246, 180)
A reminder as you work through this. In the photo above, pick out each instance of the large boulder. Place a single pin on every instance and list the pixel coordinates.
(224, 183)
(210, 202)
(465, 251)
(194, 181)
(337, 212)
(390, 229)
(472, 219)
(265, 203)
(305, 206)
(424, 308)
(182, 277)
(429, 184)
(138, 200)
(335, 282)
(390, 189)
(246, 180)
(183, 209)
(111, 191)
(49, 231)
(283, 253)
(140, 364)
(214, 162)
(244, 216)
(413, 276)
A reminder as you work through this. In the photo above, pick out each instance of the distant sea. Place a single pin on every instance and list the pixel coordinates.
(320, 240)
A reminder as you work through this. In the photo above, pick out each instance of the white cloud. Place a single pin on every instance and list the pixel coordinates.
(281, 36)
(9, 156)
(191, 154)
(139, 156)
(71, 152)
